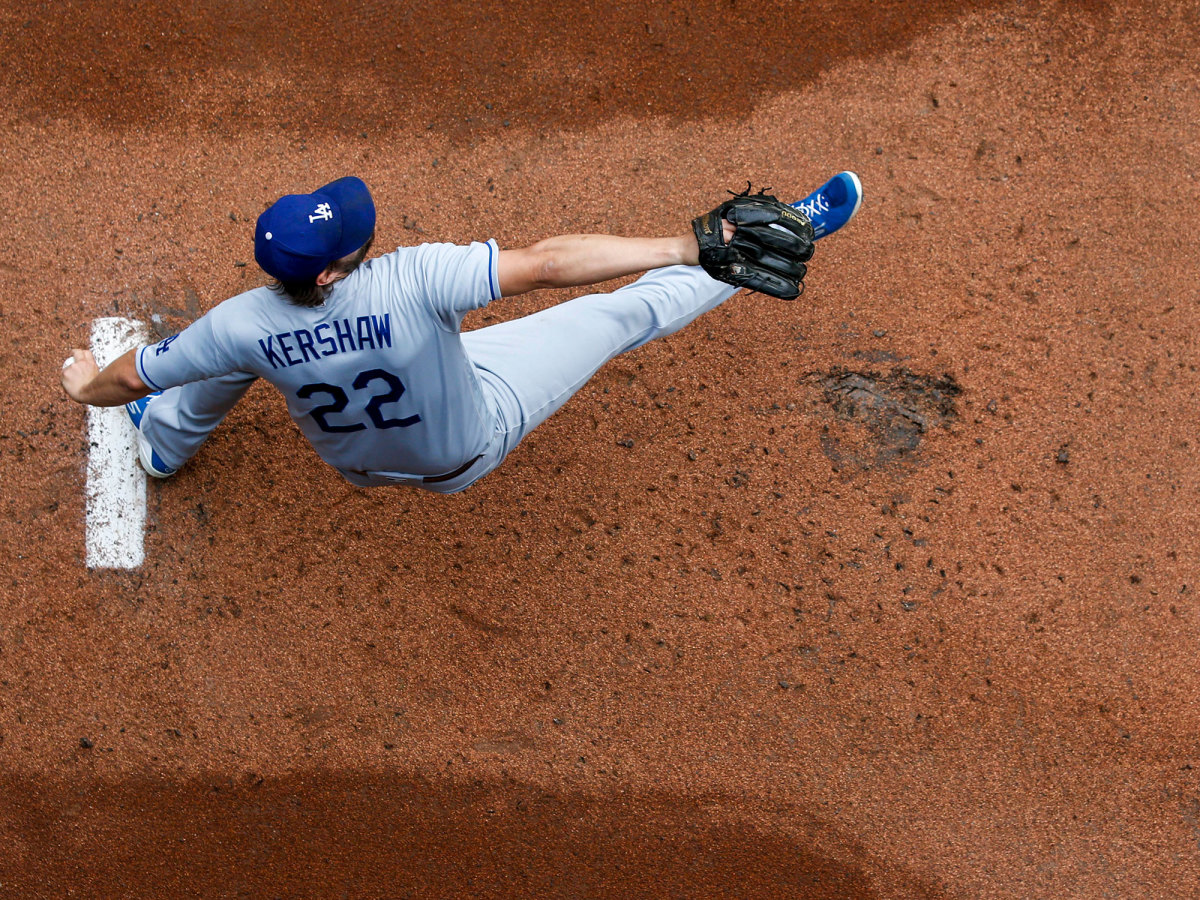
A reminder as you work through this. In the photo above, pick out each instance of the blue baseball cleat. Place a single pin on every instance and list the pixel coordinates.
(833, 204)
(149, 458)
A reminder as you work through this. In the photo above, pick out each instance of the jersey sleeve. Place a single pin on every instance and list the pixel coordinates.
(192, 355)
(457, 279)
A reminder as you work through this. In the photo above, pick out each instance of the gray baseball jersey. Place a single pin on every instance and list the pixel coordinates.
(376, 378)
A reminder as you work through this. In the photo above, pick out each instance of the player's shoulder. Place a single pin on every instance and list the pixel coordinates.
(407, 254)
(261, 294)
(415, 263)
(255, 298)
(246, 310)
(437, 248)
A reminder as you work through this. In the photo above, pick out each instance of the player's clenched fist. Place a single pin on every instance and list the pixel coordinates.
(78, 372)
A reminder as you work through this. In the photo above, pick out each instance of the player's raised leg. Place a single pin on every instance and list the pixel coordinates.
(533, 365)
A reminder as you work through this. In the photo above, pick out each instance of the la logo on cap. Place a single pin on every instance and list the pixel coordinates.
(298, 235)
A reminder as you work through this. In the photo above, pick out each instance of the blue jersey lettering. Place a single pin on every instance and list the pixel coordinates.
(292, 348)
(383, 329)
(304, 342)
(344, 334)
(287, 350)
(269, 351)
(325, 340)
(365, 338)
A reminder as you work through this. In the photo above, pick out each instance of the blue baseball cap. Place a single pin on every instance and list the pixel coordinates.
(301, 234)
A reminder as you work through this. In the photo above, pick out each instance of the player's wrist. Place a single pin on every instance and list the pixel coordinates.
(688, 250)
(82, 392)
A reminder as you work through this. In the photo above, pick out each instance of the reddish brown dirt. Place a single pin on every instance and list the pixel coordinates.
(892, 595)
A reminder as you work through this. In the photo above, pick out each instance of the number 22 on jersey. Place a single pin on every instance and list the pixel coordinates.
(394, 390)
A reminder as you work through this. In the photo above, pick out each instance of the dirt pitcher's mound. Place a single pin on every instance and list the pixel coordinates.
(886, 593)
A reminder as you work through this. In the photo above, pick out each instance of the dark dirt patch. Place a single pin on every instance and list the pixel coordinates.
(889, 413)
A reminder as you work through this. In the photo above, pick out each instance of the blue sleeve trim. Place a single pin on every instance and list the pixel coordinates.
(142, 369)
(494, 268)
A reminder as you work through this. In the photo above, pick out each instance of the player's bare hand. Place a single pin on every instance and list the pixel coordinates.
(78, 372)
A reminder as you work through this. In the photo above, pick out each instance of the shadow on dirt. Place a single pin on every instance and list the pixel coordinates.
(462, 68)
(317, 835)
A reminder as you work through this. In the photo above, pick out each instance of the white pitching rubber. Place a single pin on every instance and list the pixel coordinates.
(116, 484)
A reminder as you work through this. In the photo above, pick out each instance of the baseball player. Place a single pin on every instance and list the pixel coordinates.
(369, 356)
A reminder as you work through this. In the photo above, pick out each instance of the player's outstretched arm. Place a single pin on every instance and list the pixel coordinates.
(117, 384)
(571, 260)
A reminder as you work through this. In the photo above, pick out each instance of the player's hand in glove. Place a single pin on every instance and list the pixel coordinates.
(770, 245)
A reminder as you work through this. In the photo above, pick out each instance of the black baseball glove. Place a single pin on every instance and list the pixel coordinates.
(768, 250)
